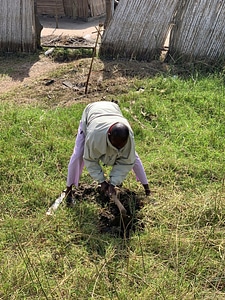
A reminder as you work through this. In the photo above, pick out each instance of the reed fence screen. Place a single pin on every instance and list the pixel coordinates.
(140, 29)
(17, 26)
(199, 30)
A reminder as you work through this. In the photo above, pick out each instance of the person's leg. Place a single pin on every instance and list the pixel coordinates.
(140, 173)
(139, 170)
(76, 163)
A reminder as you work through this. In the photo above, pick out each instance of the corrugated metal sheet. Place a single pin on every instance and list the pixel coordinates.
(199, 30)
(17, 26)
(138, 29)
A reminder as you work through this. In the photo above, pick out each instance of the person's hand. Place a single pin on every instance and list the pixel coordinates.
(147, 189)
(111, 190)
(104, 187)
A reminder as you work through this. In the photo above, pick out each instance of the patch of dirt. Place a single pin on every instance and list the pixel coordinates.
(66, 85)
(21, 73)
(110, 220)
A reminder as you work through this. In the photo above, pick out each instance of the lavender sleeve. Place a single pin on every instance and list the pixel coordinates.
(139, 170)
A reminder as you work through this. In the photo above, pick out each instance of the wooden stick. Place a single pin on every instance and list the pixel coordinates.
(119, 205)
(93, 55)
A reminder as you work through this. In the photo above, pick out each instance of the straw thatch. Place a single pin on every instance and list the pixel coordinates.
(90, 8)
(17, 26)
(199, 31)
(71, 8)
(97, 7)
(51, 7)
(138, 29)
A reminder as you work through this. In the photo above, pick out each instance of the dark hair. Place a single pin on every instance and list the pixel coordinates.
(119, 131)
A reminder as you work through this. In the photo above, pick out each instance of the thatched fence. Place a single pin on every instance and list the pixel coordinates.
(83, 9)
(51, 7)
(139, 29)
(199, 30)
(17, 26)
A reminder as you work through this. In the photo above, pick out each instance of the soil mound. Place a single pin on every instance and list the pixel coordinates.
(110, 220)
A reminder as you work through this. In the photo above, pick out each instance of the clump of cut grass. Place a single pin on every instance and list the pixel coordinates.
(67, 55)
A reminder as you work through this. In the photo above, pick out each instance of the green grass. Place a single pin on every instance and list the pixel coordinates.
(180, 254)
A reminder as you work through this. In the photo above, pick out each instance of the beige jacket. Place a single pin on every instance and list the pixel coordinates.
(96, 120)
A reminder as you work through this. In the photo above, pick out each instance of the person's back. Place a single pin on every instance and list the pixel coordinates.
(100, 115)
(101, 144)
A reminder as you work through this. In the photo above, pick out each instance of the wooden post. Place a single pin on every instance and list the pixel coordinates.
(93, 56)
(109, 11)
(38, 26)
(56, 15)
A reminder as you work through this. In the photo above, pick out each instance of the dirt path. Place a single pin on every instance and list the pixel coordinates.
(69, 27)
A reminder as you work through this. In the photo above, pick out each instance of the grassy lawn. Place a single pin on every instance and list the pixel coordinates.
(179, 129)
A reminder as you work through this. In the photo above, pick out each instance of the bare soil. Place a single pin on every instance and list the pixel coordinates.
(110, 220)
(69, 27)
(23, 73)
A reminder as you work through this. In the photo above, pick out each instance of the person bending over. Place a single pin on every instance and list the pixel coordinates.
(104, 135)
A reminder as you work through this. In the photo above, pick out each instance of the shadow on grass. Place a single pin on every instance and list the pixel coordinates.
(17, 65)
